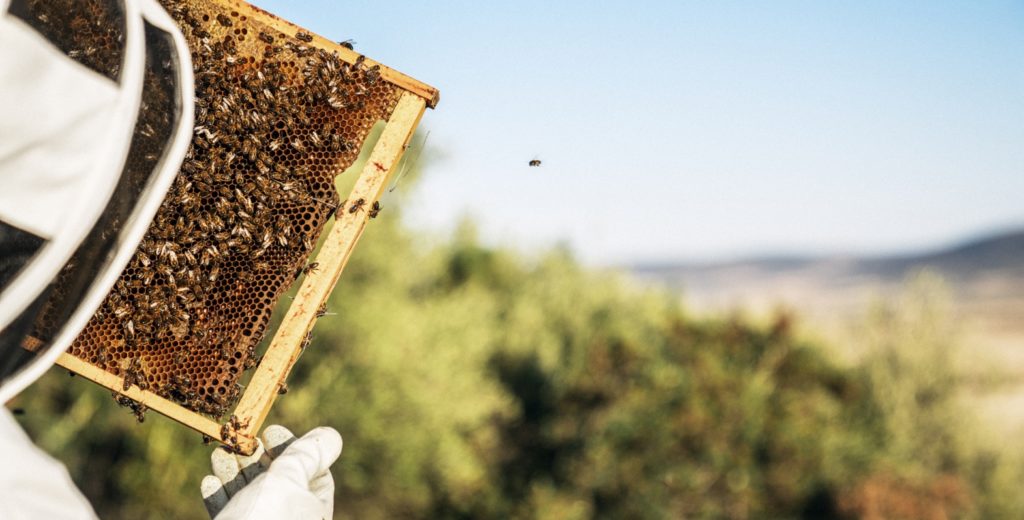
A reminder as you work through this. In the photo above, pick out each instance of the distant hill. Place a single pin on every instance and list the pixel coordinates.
(986, 275)
(1003, 252)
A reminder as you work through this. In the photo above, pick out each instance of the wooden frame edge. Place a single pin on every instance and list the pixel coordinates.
(165, 407)
(430, 95)
(294, 330)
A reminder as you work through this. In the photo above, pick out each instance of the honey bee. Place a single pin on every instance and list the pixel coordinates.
(134, 376)
(348, 44)
(217, 400)
(283, 389)
(372, 74)
(140, 412)
(252, 362)
(306, 37)
(309, 268)
(337, 143)
(375, 210)
(306, 341)
(266, 37)
(357, 205)
(225, 435)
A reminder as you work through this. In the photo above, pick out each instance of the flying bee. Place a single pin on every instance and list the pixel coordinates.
(357, 205)
(348, 44)
(375, 209)
(534, 163)
(304, 36)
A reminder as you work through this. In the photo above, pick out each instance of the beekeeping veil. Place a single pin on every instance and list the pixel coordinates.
(96, 102)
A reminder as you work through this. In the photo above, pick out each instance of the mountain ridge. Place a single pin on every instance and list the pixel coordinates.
(995, 251)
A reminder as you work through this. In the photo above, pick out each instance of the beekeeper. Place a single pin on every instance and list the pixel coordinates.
(69, 206)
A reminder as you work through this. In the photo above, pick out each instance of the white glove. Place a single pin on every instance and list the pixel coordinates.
(291, 478)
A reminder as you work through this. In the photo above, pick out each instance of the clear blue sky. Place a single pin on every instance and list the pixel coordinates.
(681, 130)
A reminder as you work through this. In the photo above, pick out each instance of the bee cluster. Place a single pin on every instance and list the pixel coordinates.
(276, 120)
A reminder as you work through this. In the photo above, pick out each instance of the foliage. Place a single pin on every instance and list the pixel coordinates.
(935, 461)
(469, 381)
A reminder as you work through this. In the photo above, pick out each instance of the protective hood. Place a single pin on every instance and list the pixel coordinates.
(96, 105)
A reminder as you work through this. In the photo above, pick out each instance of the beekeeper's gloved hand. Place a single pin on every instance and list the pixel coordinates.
(290, 478)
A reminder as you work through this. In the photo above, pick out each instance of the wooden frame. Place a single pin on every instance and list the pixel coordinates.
(240, 431)
(290, 339)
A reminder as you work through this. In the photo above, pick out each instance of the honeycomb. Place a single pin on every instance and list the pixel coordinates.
(276, 120)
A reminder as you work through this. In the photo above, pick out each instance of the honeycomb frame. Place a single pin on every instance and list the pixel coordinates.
(269, 373)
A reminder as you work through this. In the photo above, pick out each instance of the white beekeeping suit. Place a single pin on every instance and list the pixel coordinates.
(74, 204)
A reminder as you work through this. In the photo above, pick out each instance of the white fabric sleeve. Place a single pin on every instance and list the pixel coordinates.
(32, 484)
